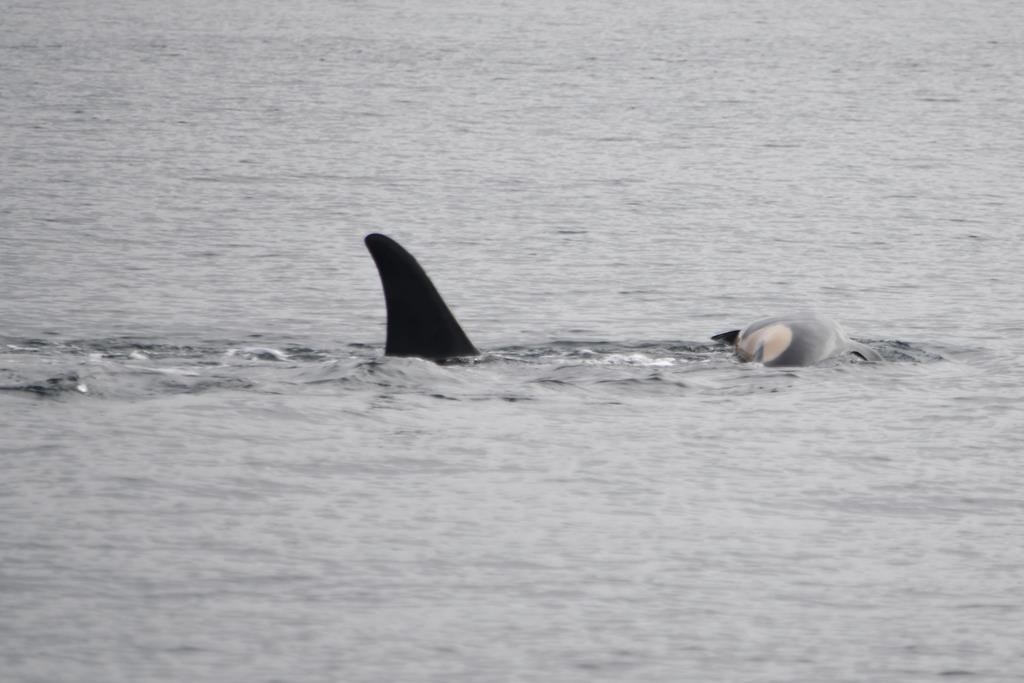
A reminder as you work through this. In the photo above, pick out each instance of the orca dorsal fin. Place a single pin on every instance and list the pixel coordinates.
(727, 337)
(419, 322)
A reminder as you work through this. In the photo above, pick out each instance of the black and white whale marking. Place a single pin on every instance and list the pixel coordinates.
(420, 323)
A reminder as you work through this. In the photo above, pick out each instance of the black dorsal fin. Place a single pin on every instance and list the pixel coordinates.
(727, 337)
(419, 322)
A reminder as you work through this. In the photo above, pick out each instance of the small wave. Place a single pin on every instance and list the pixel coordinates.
(206, 384)
(257, 353)
(23, 349)
(52, 386)
(636, 359)
(184, 372)
(644, 354)
(896, 351)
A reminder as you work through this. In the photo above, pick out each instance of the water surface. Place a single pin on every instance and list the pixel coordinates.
(212, 472)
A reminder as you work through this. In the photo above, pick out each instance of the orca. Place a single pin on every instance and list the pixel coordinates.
(420, 324)
(795, 339)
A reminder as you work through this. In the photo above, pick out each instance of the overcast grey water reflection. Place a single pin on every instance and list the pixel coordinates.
(211, 472)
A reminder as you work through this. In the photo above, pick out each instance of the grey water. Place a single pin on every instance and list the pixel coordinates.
(211, 471)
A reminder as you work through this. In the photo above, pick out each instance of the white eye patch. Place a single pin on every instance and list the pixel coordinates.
(773, 340)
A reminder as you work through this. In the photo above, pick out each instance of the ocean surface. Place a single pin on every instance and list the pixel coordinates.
(212, 473)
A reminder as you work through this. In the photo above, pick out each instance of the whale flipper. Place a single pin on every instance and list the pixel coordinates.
(419, 322)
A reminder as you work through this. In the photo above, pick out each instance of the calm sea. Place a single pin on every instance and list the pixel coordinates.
(211, 473)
